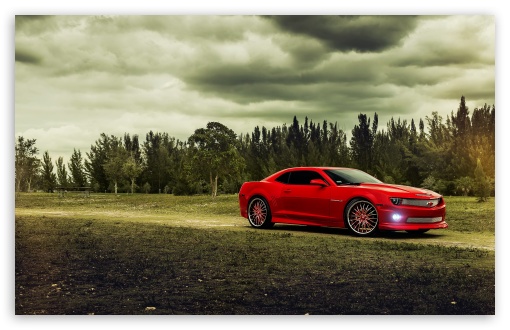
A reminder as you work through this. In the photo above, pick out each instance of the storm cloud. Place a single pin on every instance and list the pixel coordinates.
(351, 33)
(85, 75)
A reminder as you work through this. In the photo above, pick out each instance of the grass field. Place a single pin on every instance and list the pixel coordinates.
(162, 254)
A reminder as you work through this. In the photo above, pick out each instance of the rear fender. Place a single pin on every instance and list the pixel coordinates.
(269, 191)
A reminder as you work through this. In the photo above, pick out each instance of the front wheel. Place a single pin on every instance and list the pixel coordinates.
(361, 217)
(259, 213)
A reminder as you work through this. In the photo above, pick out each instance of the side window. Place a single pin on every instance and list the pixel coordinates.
(303, 177)
(284, 178)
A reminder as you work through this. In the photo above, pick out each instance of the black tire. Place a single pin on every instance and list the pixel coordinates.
(361, 217)
(259, 213)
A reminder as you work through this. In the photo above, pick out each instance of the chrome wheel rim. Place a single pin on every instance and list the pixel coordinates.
(362, 217)
(257, 212)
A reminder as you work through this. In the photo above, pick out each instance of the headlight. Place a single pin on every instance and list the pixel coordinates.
(396, 201)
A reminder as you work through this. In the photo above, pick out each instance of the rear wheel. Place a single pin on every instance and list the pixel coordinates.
(361, 217)
(259, 213)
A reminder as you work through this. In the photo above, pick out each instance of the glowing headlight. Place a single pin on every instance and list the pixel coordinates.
(396, 217)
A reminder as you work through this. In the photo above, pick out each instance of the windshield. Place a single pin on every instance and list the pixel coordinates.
(350, 176)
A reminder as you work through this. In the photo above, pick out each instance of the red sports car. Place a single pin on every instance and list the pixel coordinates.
(340, 197)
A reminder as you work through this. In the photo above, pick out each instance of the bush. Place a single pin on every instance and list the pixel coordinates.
(464, 186)
(434, 184)
(146, 188)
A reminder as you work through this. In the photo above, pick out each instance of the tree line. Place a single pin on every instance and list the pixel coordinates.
(453, 156)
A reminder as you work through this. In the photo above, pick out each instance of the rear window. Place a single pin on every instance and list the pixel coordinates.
(284, 178)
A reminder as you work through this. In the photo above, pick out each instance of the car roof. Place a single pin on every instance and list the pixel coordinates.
(317, 168)
(303, 168)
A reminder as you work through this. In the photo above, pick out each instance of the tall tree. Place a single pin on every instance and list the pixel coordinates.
(296, 141)
(62, 176)
(258, 154)
(96, 158)
(362, 142)
(161, 163)
(336, 147)
(393, 153)
(132, 169)
(422, 136)
(482, 142)
(214, 152)
(49, 179)
(437, 157)
(134, 164)
(26, 163)
(132, 146)
(387, 158)
(461, 141)
(461, 121)
(116, 158)
(77, 169)
(413, 173)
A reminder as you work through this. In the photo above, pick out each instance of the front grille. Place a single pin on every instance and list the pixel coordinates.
(421, 202)
(424, 220)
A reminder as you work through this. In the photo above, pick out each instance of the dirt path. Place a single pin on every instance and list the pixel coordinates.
(475, 240)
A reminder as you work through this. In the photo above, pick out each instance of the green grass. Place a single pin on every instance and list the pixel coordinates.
(466, 214)
(161, 254)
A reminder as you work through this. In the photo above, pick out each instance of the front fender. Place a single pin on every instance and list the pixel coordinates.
(348, 194)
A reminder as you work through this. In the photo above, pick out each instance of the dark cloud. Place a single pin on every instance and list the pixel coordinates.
(306, 52)
(237, 75)
(307, 55)
(26, 56)
(22, 20)
(261, 80)
(351, 33)
(35, 24)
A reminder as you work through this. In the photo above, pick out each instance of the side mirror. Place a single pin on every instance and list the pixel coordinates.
(318, 182)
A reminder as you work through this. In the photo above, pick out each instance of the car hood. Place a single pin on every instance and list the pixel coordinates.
(401, 191)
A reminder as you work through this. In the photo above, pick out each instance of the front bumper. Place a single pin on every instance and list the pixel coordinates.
(412, 217)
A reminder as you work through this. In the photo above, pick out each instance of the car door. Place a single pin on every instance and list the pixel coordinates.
(305, 202)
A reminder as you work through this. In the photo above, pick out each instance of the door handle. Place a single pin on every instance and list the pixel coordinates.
(287, 191)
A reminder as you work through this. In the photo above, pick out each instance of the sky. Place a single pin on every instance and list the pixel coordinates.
(79, 76)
